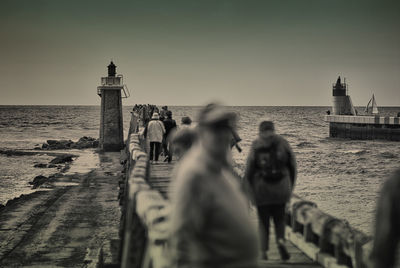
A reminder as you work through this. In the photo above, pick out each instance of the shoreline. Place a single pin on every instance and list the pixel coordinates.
(47, 183)
(49, 215)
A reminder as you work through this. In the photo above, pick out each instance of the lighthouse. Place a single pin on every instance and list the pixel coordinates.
(111, 123)
(342, 104)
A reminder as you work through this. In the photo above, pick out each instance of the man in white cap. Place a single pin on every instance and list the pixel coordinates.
(154, 132)
(210, 223)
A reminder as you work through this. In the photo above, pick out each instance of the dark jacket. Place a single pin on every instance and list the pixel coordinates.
(263, 191)
(169, 125)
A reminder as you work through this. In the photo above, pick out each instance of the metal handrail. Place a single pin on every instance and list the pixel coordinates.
(126, 91)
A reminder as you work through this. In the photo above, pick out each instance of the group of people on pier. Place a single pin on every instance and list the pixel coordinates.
(160, 131)
(210, 220)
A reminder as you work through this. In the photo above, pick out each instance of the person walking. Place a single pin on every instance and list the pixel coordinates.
(163, 112)
(210, 223)
(181, 141)
(169, 125)
(154, 133)
(271, 175)
(186, 122)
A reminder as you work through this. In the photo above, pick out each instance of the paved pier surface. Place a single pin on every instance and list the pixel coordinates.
(159, 179)
(66, 225)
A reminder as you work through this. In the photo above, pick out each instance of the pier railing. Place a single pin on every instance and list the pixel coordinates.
(145, 212)
(330, 241)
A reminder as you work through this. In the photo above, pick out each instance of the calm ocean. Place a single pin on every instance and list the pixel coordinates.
(342, 176)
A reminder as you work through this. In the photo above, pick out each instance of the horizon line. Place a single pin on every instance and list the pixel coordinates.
(179, 105)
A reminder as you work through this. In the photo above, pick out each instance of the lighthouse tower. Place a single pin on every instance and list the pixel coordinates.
(342, 104)
(111, 123)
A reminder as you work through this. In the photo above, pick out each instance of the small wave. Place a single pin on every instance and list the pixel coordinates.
(356, 152)
(305, 144)
(388, 155)
(288, 135)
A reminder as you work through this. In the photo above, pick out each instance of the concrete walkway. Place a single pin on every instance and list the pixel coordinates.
(67, 224)
(159, 179)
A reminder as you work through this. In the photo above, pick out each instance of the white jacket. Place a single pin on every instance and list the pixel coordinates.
(155, 131)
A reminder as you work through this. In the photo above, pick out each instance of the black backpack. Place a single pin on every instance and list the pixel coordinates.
(272, 171)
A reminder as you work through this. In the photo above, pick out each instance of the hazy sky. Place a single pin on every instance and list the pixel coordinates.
(283, 52)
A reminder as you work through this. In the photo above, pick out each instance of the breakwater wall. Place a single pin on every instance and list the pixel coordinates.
(144, 225)
(364, 127)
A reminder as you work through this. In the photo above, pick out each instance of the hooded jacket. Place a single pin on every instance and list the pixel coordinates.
(263, 191)
(155, 131)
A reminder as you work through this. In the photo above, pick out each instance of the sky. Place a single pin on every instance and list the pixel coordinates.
(190, 52)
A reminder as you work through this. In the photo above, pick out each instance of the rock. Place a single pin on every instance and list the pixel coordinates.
(84, 138)
(82, 143)
(52, 166)
(58, 144)
(40, 165)
(37, 181)
(62, 159)
(37, 148)
(86, 142)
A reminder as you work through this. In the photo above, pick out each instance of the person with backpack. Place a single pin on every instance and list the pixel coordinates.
(271, 175)
(154, 132)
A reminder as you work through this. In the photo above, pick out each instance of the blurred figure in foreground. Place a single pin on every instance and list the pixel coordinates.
(181, 141)
(210, 224)
(154, 132)
(271, 175)
(386, 251)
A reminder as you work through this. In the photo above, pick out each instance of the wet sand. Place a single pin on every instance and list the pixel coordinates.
(67, 221)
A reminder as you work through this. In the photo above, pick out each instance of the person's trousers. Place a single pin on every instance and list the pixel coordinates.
(155, 150)
(277, 213)
(167, 149)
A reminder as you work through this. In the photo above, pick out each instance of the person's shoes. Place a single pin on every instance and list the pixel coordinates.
(282, 250)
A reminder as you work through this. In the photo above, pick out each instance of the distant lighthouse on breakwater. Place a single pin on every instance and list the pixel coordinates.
(345, 122)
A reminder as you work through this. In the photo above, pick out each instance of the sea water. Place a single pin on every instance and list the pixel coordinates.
(343, 177)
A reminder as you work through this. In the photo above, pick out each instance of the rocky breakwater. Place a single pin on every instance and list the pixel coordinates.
(55, 168)
(60, 162)
(82, 143)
